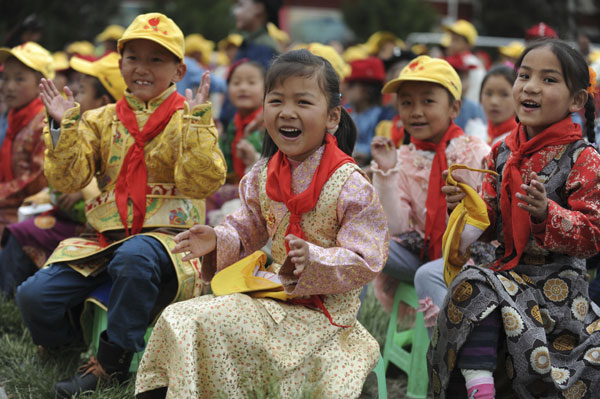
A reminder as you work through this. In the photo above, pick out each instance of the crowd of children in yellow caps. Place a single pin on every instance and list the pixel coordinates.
(223, 215)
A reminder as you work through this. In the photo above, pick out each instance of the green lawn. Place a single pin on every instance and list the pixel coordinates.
(26, 374)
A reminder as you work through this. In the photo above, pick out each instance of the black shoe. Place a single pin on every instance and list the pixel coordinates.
(158, 393)
(111, 367)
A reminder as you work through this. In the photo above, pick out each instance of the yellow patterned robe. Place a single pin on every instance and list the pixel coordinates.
(184, 166)
(236, 346)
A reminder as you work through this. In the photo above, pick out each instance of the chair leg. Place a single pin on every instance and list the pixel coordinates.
(418, 378)
(381, 382)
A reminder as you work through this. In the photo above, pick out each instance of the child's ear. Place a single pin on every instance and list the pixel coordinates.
(105, 100)
(333, 117)
(579, 100)
(455, 109)
(180, 72)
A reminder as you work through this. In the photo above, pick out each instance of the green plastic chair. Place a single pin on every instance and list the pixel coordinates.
(379, 371)
(412, 361)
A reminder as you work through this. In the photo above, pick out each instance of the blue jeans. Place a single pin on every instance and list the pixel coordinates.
(136, 269)
(15, 267)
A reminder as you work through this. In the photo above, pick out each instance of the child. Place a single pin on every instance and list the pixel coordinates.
(240, 143)
(325, 247)
(532, 303)
(362, 92)
(22, 151)
(408, 180)
(27, 245)
(152, 184)
(497, 102)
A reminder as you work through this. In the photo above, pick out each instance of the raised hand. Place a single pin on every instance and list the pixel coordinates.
(383, 152)
(197, 241)
(201, 94)
(536, 201)
(246, 152)
(298, 253)
(56, 105)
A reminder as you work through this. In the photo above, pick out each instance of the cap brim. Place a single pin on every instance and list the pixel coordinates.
(129, 38)
(6, 52)
(392, 86)
(83, 66)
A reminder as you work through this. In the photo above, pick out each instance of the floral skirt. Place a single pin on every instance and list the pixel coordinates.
(551, 329)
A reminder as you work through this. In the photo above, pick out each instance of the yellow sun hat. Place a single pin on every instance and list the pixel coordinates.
(106, 70)
(427, 69)
(374, 42)
(248, 275)
(158, 28)
(341, 67)
(277, 34)
(233, 39)
(471, 213)
(353, 53)
(60, 61)
(111, 32)
(197, 43)
(82, 47)
(33, 56)
(512, 50)
(465, 29)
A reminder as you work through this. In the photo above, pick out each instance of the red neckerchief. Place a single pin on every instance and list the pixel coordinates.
(515, 221)
(17, 120)
(240, 124)
(503, 128)
(133, 176)
(279, 183)
(397, 132)
(435, 221)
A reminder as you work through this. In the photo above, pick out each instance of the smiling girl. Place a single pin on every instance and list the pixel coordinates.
(329, 239)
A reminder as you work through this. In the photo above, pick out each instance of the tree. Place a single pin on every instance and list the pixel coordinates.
(212, 19)
(400, 17)
(63, 21)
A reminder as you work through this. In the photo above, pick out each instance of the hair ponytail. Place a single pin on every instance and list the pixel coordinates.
(346, 133)
(590, 116)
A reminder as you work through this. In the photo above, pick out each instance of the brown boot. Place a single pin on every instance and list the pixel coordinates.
(111, 367)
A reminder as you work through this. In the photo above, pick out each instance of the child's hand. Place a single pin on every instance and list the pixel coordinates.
(198, 241)
(56, 105)
(453, 193)
(536, 201)
(246, 152)
(383, 152)
(201, 94)
(256, 124)
(298, 253)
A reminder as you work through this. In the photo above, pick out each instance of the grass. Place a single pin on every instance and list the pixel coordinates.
(24, 374)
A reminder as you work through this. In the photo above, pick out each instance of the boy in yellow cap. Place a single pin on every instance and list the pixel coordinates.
(27, 245)
(22, 150)
(155, 155)
(409, 179)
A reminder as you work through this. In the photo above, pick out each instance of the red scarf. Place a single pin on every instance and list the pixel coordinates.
(133, 176)
(17, 120)
(397, 132)
(279, 183)
(515, 221)
(503, 128)
(435, 221)
(240, 123)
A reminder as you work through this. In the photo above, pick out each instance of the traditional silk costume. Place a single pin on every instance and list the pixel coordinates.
(550, 330)
(237, 346)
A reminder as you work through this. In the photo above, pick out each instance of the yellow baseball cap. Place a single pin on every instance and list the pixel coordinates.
(197, 43)
(112, 32)
(353, 53)
(82, 48)
(374, 42)
(512, 50)
(465, 29)
(427, 69)
(60, 61)
(158, 28)
(335, 59)
(277, 34)
(33, 56)
(233, 39)
(106, 70)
